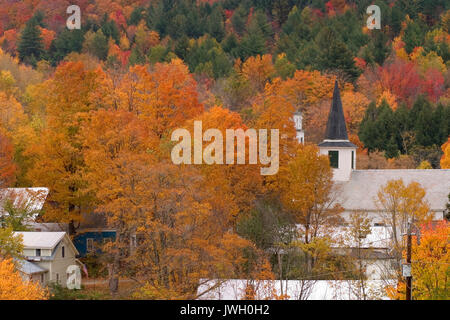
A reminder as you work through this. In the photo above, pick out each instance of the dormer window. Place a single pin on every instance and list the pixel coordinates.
(334, 159)
(38, 252)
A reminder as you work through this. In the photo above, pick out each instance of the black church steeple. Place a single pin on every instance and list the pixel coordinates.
(336, 128)
(336, 132)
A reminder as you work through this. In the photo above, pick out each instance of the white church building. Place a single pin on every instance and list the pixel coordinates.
(359, 188)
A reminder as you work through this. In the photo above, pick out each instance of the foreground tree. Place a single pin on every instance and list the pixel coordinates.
(445, 160)
(430, 265)
(401, 204)
(306, 190)
(168, 237)
(10, 245)
(12, 287)
(55, 150)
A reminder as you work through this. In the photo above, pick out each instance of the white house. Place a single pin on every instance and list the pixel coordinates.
(47, 255)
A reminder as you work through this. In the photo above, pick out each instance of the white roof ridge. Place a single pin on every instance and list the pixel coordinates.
(41, 239)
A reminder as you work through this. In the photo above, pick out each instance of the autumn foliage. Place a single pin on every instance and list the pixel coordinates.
(12, 287)
(430, 264)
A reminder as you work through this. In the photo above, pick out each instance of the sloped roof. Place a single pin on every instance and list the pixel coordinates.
(41, 240)
(336, 128)
(47, 226)
(360, 192)
(337, 144)
(28, 267)
(379, 237)
(31, 198)
(234, 289)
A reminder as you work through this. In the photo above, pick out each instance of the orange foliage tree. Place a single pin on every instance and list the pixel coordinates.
(164, 207)
(164, 96)
(430, 260)
(12, 287)
(7, 166)
(55, 151)
(445, 160)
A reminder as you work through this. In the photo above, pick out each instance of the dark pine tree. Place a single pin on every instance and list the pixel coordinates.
(30, 46)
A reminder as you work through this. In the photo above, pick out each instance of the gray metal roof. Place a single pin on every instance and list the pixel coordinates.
(337, 144)
(32, 199)
(27, 267)
(360, 192)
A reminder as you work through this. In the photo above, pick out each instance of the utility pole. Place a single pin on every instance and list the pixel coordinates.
(408, 262)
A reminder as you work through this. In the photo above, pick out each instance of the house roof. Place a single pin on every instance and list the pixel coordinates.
(47, 226)
(234, 289)
(378, 238)
(336, 128)
(360, 192)
(32, 199)
(41, 240)
(28, 267)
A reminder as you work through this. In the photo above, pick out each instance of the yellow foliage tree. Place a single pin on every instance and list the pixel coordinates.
(400, 204)
(445, 160)
(12, 287)
(430, 261)
(306, 190)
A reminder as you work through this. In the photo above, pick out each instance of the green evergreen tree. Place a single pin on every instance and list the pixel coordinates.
(414, 35)
(391, 149)
(231, 45)
(367, 129)
(30, 46)
(215, 24)
(334, 54)
(254, 42)
(387, 135)
(100, 45)
(422, 116)
(66, 42)
(136, 16)
(239, 19)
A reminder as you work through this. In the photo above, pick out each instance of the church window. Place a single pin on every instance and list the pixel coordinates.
(334, 158)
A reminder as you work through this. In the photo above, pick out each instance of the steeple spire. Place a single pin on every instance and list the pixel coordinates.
(336, 128)
(340, 151)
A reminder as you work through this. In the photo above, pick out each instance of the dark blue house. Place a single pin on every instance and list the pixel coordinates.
(91, 240)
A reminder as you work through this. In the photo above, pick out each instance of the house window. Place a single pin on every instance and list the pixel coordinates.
(62, 252)
(353, 159)
(42, 278)
(57, 278)
(334, 158)
(90, 244)
(38, 252)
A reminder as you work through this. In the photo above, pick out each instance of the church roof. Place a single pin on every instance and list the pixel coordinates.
(360, 192)
(337, 144)
(336, 128)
